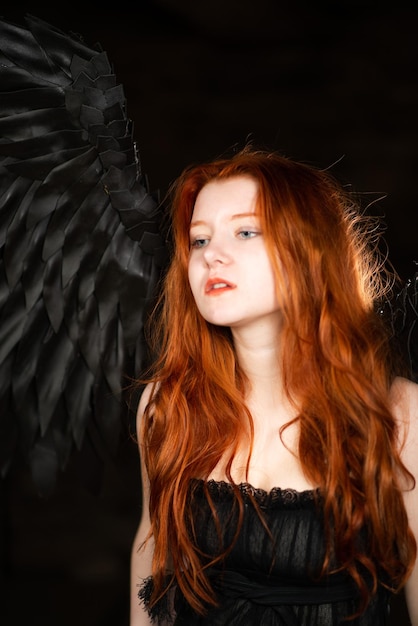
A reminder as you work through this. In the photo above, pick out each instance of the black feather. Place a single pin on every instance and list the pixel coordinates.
(80, 251)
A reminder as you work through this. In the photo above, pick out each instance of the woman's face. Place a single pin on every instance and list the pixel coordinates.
(230, 273)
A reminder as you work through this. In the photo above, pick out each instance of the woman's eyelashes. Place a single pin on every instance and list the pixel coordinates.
(243, 233)
(248, 233)
(199, 242)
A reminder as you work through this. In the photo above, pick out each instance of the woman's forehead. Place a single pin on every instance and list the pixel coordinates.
(237, 194)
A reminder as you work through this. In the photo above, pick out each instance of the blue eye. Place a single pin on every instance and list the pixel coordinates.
(198, 243)
(248, 234)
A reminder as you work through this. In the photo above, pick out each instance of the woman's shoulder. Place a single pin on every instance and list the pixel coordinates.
(146, 396)
(405, 403)
(404, 398)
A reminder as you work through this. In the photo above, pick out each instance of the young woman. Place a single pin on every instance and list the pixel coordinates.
(279, 447)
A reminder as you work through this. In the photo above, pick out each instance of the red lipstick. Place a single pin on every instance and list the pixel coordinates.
(216, 286)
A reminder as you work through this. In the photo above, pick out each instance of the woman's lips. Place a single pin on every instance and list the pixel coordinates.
(216, 286)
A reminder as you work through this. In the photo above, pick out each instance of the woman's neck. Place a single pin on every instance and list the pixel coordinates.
(259, 356)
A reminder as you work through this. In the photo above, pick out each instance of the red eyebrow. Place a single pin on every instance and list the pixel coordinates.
(233, 217)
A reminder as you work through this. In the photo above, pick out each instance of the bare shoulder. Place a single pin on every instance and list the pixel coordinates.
(404, 398)
(146, 396)
(144, 400)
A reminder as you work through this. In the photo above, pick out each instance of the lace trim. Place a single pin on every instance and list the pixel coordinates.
(220, 489)
(162, 612)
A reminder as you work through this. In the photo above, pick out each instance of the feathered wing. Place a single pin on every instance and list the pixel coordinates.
(80, 250)
(80, 253)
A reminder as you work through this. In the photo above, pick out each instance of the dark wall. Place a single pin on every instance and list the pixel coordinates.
(330, 83)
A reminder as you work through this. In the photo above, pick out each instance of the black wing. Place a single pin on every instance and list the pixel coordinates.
(80, 250)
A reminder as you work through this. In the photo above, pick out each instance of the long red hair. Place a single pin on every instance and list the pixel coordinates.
(328, 279)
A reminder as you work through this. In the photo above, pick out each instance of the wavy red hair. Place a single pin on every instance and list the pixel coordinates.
(328, 279)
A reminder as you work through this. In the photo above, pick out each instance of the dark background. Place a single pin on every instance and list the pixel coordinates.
(329, 83)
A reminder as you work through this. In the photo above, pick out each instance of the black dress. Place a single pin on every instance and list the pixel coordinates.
(270, 576)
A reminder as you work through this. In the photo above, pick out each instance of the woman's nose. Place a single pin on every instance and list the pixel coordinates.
(215, 253)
